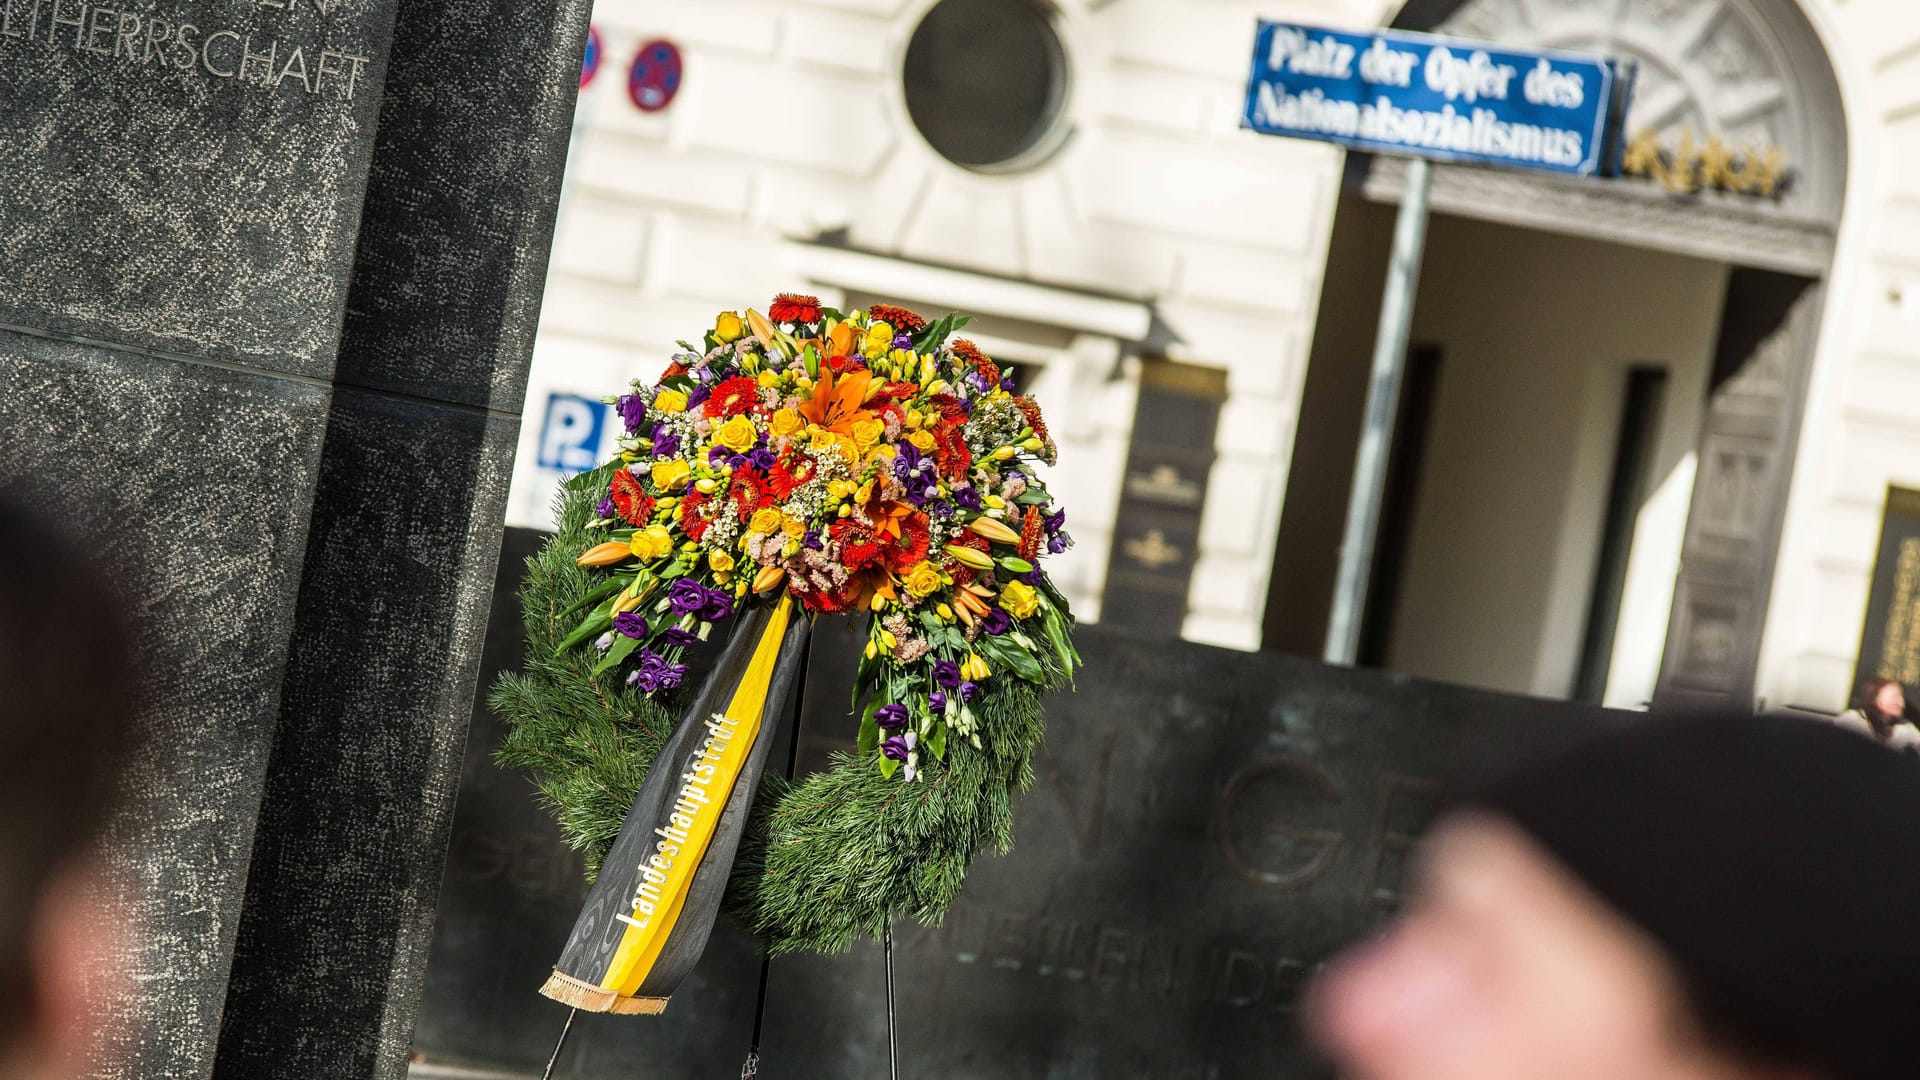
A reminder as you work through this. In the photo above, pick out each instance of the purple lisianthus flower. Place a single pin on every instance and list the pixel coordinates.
(968, 497)
(719, 454)
(915, 472)
(1055, 521)
(813, 540)
(678, 638)
(656, 672)
(603, 642)
(897, 747)
(1059, 543)
(902, 341)
(632, 624)
(606, 509)
(978, 382)
(700, 393)
(997, 622)
(937, 701)
(686, 597)
(1032, 577)
(762, 457)
(969, 691)
(946, 673)
(892, 717)
(1006, 381)
(633, 410)
(719, 605)
(665, 443)
(941, 509)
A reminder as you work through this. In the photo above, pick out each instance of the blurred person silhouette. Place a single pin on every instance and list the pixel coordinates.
(1709, 898)
(66, 694)
(1880, 710)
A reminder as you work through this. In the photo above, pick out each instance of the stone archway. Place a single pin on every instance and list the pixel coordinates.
(1729, 92)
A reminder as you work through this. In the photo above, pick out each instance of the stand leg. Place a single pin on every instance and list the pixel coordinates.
(893, 1044)
(750, 1068)
(564, 1031)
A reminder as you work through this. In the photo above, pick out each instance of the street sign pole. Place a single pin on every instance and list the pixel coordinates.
(1383, 404)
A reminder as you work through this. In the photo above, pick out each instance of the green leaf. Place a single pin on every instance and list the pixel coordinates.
(594, 625)
(936, 743)
(888, 767)
(623, 647)
(1011, 656)
(1033, 497)
(598, 593)
(869, 731)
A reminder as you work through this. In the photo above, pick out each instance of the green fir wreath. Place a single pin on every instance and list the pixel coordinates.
(890, 829)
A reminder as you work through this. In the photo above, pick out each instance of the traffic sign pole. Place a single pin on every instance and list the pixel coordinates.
(1383, 405)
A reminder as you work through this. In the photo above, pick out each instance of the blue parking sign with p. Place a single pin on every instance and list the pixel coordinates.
(572, 431)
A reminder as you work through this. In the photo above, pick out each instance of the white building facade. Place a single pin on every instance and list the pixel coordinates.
(1143, 228)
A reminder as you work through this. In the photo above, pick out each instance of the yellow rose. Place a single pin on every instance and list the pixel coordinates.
(765, 521)
(923, 440)
(794, 528)
(785, 422)
(1019, 599)
(728, 328)
(767, 378)
(721, 561)
(737, 434)
(923, 579)
(671, 475)
(822, 439)
(670, 401)
(651, 542)
(868, 432)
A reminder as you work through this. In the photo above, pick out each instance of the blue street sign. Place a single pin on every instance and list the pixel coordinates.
(1434, 97)
(572, 432)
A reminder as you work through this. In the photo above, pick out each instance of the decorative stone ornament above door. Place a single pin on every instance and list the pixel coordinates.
(1729, 94)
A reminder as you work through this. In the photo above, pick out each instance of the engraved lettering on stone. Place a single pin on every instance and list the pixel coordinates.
(259, 59)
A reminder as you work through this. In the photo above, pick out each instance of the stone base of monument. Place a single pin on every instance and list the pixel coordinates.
(1205, 827)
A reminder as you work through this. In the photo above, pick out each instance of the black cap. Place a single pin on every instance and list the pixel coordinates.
(1777, 860)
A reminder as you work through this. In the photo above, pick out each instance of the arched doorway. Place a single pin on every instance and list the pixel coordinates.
(1649, 571)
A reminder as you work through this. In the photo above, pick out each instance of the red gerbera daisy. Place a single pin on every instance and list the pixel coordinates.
(749, 492)
(794, 308)
(910, 546)
(630, 499)
(788, 474)
(692, 521)
(859, 546)
(733, 396)
(899, 318)
(1033, 532)
(970, 353)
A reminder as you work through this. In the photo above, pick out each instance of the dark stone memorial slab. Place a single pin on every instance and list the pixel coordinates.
(269, 277)
(1205, 828)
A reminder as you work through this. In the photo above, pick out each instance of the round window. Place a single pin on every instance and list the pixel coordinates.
(985, 81)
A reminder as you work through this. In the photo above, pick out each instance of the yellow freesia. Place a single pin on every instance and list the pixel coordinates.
(670, 401)
(721, 561)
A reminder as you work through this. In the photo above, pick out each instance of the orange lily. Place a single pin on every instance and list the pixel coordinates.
(836, 402)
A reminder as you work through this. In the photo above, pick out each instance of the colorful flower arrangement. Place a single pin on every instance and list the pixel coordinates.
(867, 462)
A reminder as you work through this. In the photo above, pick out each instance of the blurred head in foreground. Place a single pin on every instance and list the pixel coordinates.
(65, 697)
(1735, 898)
